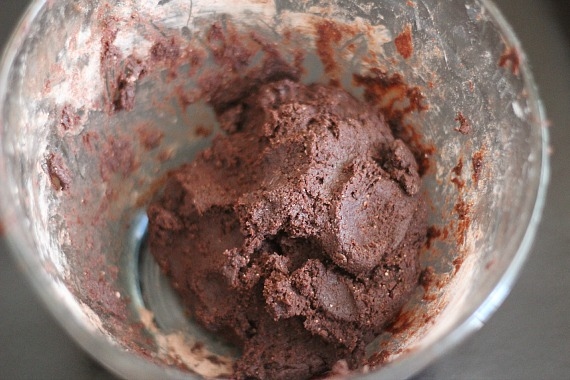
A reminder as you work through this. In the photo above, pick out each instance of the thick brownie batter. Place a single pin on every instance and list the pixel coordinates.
(296, 234)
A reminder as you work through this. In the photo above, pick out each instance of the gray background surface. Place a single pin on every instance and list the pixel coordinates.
(528, 338)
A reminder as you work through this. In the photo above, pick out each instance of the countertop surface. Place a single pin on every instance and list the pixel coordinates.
(527, 338)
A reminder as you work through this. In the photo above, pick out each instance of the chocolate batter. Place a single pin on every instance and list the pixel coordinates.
(296, 234)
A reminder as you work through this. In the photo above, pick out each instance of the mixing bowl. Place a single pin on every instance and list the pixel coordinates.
(100, 99)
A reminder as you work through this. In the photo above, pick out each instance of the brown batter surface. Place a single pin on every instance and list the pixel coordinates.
(296, 234)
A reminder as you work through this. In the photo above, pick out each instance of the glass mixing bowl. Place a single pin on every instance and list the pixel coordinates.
(99, 99)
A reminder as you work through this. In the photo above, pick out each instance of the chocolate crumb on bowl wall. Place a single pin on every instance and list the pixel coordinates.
(511, 60)
(69, 118)
(478, 162)
(404, 43)
(464, 125)
(59, 174)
